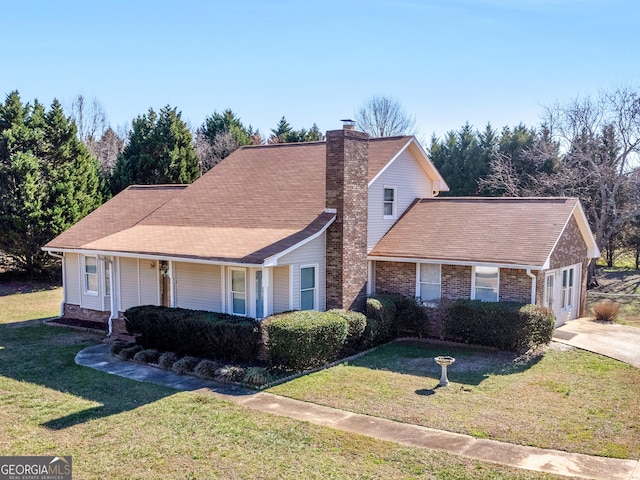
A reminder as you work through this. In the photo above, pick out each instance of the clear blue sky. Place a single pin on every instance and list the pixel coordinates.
(447, 61)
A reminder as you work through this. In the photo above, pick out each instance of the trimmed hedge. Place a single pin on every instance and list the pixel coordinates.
(504, 325)
(305, 339)
(194, 332)
(381, 314)
(356, 324)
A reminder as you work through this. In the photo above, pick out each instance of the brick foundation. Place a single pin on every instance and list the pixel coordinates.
(79, 313)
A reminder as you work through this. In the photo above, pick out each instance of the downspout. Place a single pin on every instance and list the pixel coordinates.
(533, 285)
(64, 283)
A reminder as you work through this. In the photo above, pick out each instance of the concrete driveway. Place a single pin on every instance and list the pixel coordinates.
(609, 339)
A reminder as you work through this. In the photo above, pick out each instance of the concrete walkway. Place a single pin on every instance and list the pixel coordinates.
(610, 339)
(550, 461)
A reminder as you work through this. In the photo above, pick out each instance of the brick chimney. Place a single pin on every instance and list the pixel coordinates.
(347, 193)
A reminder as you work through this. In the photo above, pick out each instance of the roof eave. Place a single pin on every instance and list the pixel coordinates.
(466, 263)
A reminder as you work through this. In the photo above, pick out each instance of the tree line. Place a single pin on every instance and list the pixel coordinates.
(587, 148)
(55, 169)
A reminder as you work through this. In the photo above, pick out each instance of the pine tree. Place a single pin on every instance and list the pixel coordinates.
(160, 151)
(48, 180)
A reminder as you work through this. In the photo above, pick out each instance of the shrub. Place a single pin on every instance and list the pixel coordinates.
(411, 317)
(230, 372)
(606, 311)
(194, 332)
(117, 346)
(167, 359)
(504, 325)
(381, 312)
(206, 369)
(129, 352)
(257, 376)
(185, 365)
(356, 323)
(150, 355)
(305, 339)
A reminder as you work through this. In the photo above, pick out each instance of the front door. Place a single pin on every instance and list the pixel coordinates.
(165, 284)
(259, 295)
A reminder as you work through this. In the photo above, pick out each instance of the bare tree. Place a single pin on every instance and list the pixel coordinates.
(91, 120)
(383, 116)
(598, 145)
(107, 149)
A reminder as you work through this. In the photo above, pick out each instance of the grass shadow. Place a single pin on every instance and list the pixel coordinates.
(473, 365)
(44, 356)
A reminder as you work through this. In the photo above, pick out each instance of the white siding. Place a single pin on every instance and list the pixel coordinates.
(72, 279)
(129, 292)
(197, 286)
(280, 289)
(411, 182)
(309, 254)
(149, 282)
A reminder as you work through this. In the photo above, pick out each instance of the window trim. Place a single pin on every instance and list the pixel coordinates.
(568, 290)
(473, 283)
(548, 297)
(315, 289)
(394, 202)
(231, 291)
(85, 274)
(419, 281)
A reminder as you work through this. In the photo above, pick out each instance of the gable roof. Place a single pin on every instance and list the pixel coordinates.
(517, 232)
(255, 204)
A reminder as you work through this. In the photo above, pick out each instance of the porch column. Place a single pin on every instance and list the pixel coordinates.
(266, 281)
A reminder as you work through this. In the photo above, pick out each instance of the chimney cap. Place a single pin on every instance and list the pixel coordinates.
(348, 124)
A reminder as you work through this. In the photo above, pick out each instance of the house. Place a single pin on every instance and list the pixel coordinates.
(320, 225)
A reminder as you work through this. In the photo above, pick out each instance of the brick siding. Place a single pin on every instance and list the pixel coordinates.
(347, 192)
(515, 285)
(396, 277)
(456, 281)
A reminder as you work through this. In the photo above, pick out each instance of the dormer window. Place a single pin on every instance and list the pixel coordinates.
(389, 202)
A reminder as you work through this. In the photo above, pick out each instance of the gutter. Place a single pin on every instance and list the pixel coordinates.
(64, 283)
(533, 285)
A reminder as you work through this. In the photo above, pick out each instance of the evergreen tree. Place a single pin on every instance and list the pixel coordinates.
(284, 133)
(462, 159)
(48, 179)
(160, 150)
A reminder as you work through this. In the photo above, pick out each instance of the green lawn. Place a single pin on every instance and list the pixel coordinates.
(568, 399)
(121, 429)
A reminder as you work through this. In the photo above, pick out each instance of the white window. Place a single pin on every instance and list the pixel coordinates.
(107, 279)
(548, 293)
(308, 288)
(91, 275)
(428, 282)
(567, 287)
(486, 280)
(389, 203)
(238, 291)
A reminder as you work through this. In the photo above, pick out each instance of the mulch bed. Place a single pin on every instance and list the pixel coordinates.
(77, 323)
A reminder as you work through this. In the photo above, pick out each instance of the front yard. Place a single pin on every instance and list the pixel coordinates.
(567, 399)
(121, 429)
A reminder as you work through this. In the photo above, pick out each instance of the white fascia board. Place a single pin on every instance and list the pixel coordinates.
(456, 262)
(438, 181)
(272, 261)
(151, 257)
